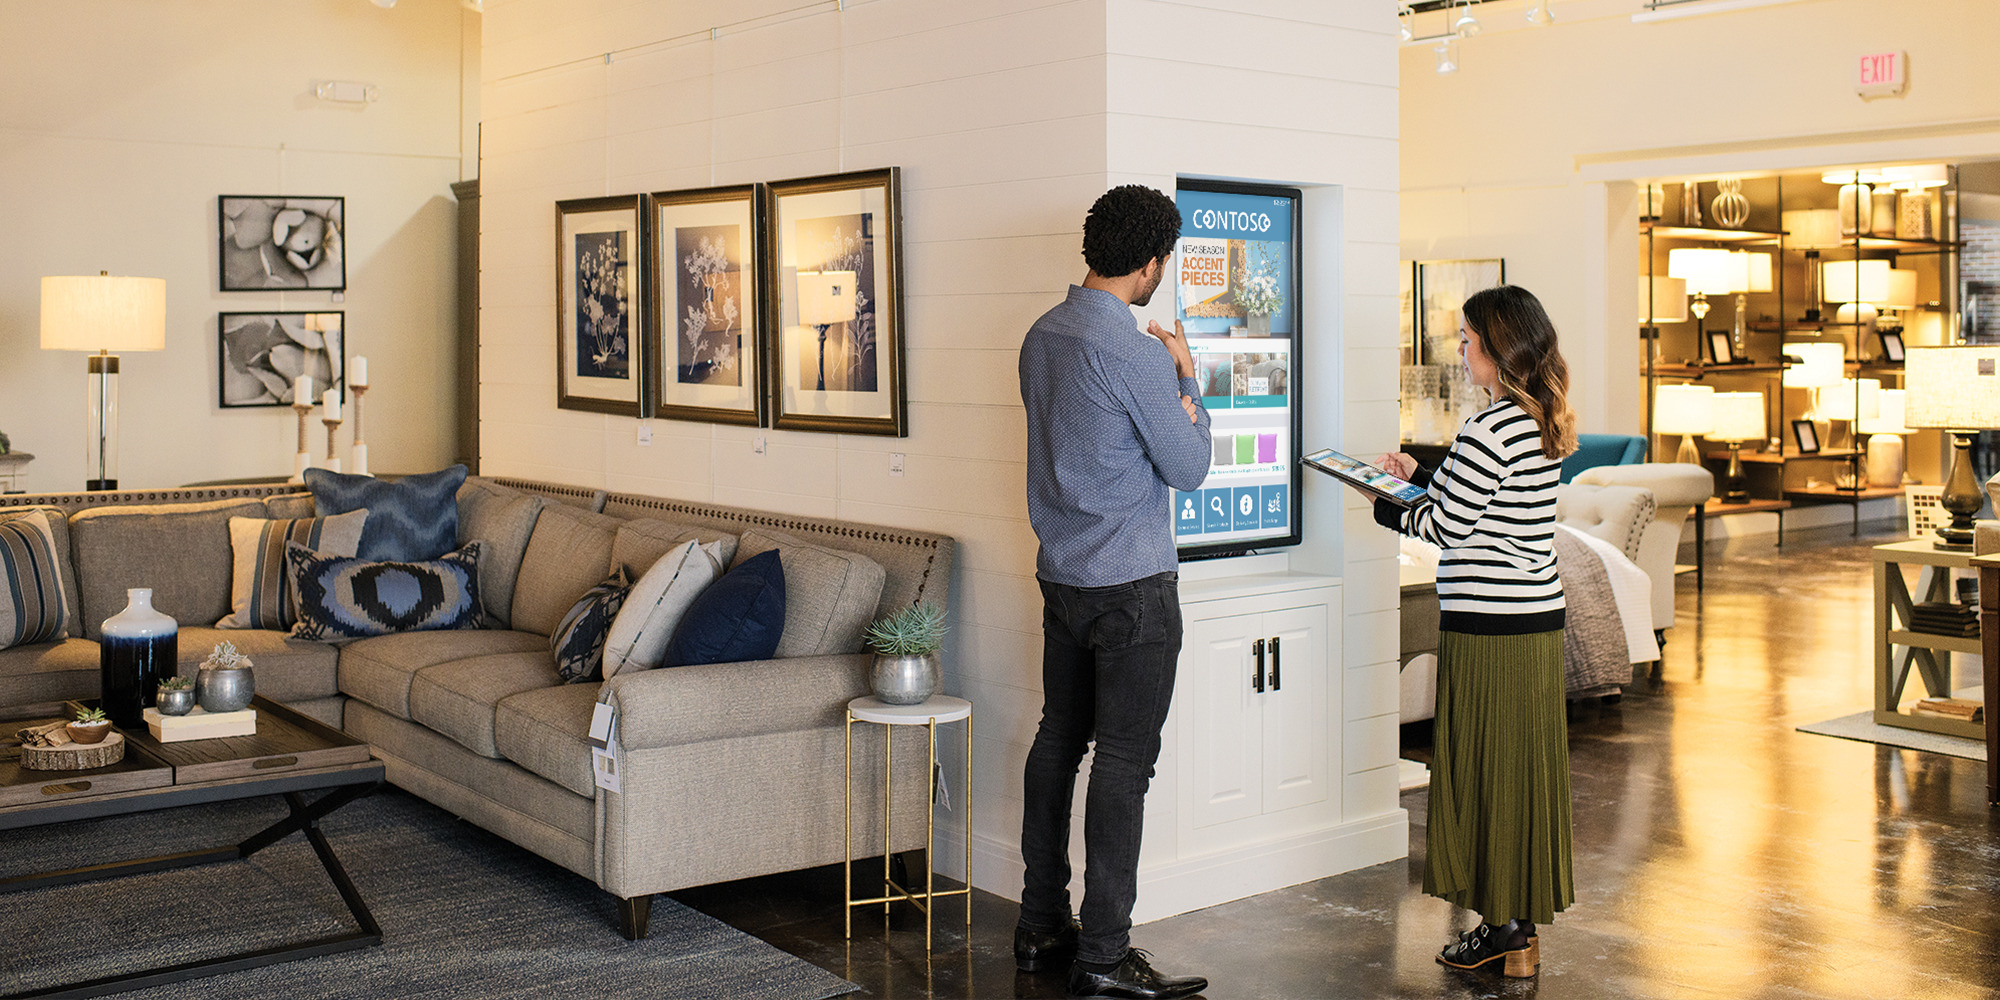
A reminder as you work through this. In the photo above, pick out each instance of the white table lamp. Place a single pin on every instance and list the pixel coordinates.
(1686, 410)
(1707, 272)
(1739, 417)
(1857, 286)
(1956, 389)
(825, 298)
(1662, 299)
(1820, 365)
(1885, 439)
(103, 314)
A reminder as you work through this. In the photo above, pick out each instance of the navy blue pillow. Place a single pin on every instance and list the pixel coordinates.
(413, 519)
(739, 617)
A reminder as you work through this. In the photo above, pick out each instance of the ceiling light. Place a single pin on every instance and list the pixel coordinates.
(1539, 13)
(1447, 56)
(1466, 26)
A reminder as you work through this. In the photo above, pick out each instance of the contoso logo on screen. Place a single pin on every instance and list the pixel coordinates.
(1248, 222)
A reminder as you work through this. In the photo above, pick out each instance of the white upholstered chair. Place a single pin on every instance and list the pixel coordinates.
(1677, 488)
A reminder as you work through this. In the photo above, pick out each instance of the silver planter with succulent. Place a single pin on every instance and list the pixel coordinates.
(225, 682)
(906, 645)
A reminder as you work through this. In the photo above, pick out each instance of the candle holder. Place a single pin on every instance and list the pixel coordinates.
(303, 460)
(360, 446)
(332, 428)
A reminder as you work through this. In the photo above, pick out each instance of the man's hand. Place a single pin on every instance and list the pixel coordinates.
(1176, 342)
(1193, 409)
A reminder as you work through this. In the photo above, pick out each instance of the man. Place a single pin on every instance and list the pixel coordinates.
(1113, 422)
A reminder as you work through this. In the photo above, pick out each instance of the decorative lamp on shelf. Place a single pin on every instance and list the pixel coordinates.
(1849, 400)
(1739, 417)
(1707, 272)
(1817, 365)
(103, 314)
(1956, 389)
(1899, 298)
(1661, 300)
(1857, 286)
(1756, 277)
(1857, 208)
(1812, 230)
(1913, 205)
(1686, 410)
(1885, 439)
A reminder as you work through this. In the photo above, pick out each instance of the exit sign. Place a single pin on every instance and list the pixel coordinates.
(1881, 74)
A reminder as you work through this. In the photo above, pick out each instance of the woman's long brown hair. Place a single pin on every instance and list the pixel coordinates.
(1516, 333)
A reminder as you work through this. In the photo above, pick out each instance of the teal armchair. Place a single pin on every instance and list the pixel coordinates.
(1593, 450)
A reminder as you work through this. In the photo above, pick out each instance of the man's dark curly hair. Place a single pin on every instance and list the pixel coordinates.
(1129, 227)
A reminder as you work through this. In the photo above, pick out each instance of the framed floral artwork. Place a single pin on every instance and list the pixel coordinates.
(278, 241)
(599, 326)
(707, 302)
(835, 303)
(259, 355)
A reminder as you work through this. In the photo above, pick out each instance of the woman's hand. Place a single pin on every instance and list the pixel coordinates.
(1398, 464)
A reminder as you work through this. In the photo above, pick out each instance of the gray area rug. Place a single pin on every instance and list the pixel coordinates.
(463, 914)
(1862, 726)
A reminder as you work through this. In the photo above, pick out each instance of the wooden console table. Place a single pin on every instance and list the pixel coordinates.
(1930, 654)
(1989, 636)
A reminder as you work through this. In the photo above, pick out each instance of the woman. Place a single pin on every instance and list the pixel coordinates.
(1499, 826)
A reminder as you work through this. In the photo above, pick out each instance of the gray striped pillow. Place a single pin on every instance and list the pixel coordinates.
(31, 610)
(261, 588)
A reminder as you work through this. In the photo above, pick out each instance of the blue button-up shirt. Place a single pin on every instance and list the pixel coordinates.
(1106, 438)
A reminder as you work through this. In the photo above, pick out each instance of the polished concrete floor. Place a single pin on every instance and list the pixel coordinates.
(1719, 853)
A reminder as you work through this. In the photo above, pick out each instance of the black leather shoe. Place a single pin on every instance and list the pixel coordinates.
(1037, 950)
(1133, 979)
(1487, 944)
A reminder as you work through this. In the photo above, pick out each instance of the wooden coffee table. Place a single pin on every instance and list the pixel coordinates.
(290, 755)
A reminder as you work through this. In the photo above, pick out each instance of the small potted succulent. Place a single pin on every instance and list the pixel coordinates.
(90, 726)
(177, 695)
(906, 645)
(224, 683)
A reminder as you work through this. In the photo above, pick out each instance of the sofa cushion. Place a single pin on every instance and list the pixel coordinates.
(289, 505)
(739, 617)
(380, 670)
(546, 730)
(33, 609)
(180, 550)
(653, 610)
(830, 594)
(341, 598)
(286, 669)
(410, 520)
(578, 643)
(459, 699)
(58, 523)
(642, 542)
(502, 518)
(260, 588)
(569, 553)
(49, 671)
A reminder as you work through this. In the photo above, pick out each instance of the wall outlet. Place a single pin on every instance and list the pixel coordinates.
(896, 464)
(645, 433)
(757, 444)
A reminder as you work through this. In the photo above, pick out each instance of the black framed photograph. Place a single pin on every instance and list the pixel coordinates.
(259, 355)
(706, 246)
(278, 241)
(599, 325)
(834, 276)
(1720, 350)
(1806, 436)
(1892, 345)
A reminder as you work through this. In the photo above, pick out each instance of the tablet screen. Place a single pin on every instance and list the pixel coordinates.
(1366, 477)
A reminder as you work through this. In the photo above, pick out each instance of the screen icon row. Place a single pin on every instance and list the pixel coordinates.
(1232, 508)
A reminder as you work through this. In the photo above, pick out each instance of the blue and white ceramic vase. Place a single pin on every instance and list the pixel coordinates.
(139, 649)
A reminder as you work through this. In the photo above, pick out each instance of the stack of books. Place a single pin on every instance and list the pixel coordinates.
(1962, 709)
(1945, 618)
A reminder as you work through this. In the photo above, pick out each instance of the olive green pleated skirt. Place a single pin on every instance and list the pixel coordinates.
(1498, 837)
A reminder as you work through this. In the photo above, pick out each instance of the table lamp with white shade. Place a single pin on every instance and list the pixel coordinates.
(1885, 440)
(1812, 230)
(1661, 300)
(1857, 287)
(1900, 297)
(1707, 272)
(825, 298)
(1686, 410)
(103, 314)
(1739, 417)
(1849, 400)
(1956, 389)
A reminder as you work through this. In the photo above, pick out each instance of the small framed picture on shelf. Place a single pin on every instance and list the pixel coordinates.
(1806, 436)
(1892, 345)
(1720, 350)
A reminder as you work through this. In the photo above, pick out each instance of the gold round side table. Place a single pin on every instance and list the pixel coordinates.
(929, 714)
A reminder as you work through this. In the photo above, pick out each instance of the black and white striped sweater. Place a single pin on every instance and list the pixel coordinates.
(1492, 509)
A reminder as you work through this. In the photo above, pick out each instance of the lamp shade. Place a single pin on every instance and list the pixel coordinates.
(1683, 409)
(1851, 398)
(1756, 272)
(1957, 388)
(1707, 271)
(1857, 280)
(1852, 175)
(1889, 419)
(1810, 228)
(1666, 297)
(1739, 416)
(825, 297)
(1823, 365)
(1901, 292)
(104, 313)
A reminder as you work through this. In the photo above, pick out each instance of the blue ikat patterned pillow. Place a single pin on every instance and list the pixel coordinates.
(341, 598)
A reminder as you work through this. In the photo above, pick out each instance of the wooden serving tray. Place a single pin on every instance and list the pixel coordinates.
(21, 786)
(285, 741)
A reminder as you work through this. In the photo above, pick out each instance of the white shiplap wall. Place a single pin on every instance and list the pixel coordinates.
(1008, 118)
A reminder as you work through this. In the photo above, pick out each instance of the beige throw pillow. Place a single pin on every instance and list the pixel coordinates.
(260, 592)
(656, 604)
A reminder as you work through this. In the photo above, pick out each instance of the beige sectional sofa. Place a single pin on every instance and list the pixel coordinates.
(728, 770)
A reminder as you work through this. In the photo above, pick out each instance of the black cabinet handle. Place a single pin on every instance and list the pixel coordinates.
(1257, 679)
(1274, 663)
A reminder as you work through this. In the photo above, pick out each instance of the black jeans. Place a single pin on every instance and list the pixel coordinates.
(1108, 657)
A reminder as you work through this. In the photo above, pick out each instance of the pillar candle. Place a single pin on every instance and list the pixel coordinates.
(357, 373)
(332, 403)
(302, 390)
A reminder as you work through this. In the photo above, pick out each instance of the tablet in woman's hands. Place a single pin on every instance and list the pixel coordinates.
(1366, 478)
